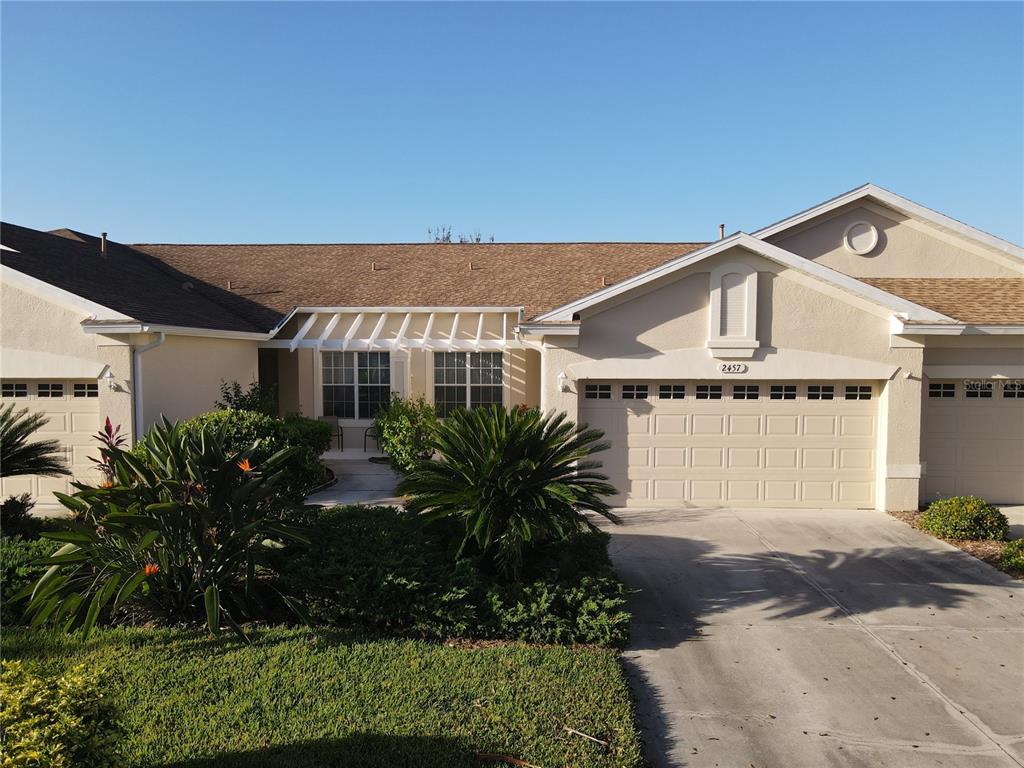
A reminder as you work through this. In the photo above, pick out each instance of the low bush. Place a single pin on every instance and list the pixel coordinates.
(65, 721)
(964, 517)
(375, 568)
(381, 569)
(1012, 556)
(299, 698)
(405, 431)
(19, 567)
(15, 517)
(307, 438)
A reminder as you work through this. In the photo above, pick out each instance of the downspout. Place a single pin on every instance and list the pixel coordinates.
(137, 353)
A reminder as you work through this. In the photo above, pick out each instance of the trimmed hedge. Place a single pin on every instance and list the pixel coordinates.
(964, 517)
(1012, 556)
(299, 699)
(379, 569)
(309, 436)
(61, 721)
(18, 568)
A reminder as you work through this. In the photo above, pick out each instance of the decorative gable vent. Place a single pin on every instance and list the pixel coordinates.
(733, 311)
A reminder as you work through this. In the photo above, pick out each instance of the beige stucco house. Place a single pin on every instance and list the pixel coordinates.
(866, 352)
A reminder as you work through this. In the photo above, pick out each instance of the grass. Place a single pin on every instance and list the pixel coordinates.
(986, 550)
(299, 697)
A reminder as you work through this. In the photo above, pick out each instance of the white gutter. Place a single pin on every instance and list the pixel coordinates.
(99, 326)
(900, 328)
(137, 353)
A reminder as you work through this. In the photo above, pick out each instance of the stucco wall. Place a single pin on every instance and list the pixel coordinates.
(41, 340)
(906, 248)
(181, 378)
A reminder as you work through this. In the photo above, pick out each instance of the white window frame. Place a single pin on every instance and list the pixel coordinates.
(355, 417)
(468, 385)
(733, 346)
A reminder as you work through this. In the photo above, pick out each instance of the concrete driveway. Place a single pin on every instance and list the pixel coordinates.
(816, 638)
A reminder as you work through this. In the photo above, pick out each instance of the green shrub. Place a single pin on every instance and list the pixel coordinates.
(19, 567)
(964, 517)
(312, 435)
(14, 515)
(308, 439)
(515, 478)
(376, 568)
(177, 533)
(1012, 556)
(380, 569)
(19, 454)
(591, 610)
(405, 431)
(62, 722)
(258, 397)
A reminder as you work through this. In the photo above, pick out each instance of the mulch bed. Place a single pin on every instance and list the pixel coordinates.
(985, 550)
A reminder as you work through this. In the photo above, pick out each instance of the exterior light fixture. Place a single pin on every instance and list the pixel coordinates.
(563, 382)
(110, 379)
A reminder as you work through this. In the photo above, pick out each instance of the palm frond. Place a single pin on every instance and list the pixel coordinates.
(19, 455)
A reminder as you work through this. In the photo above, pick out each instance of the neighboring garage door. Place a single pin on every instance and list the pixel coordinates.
(973, 440)
(73, 413)
(710, 443)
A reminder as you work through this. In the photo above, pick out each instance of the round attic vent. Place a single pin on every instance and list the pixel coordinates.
(860, 238)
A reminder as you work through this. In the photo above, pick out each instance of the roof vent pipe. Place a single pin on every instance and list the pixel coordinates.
(103, 243)
(721, 231)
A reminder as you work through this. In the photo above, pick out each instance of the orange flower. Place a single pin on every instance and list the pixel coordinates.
(151, 569)
(244, 465)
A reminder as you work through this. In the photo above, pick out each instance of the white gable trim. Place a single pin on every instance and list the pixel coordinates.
(903, 205)
(59, 296)
(786, 258)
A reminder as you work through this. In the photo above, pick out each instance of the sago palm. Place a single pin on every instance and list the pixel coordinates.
(19, 455)
(515, 478)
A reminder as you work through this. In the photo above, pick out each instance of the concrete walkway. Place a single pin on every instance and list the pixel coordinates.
(818, 638)
(358, 482)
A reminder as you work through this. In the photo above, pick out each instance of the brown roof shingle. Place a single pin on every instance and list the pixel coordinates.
(975, 300)
(539, 276)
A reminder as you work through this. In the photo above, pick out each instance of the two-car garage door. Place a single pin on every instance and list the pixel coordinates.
(708, 443)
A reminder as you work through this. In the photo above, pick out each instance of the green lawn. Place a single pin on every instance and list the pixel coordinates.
(298, 697)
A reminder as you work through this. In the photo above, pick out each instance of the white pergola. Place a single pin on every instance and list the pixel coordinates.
(378, 329)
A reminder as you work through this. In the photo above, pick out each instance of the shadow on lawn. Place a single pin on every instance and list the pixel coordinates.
(359, 750)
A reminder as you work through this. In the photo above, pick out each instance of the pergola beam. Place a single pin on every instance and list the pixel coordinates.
(352, 331)
(303, 331)
(331, 324)
(455, 329)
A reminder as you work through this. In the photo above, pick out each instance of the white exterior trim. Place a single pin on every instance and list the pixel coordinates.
(767, 250)
(783, 364)
(954, 329)
(49, 292)
(113, 327)
(984, 371)
(903, 205)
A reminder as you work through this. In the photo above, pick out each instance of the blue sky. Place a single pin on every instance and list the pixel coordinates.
(294, 122)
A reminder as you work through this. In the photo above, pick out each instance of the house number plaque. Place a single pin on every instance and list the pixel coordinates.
(733, 367)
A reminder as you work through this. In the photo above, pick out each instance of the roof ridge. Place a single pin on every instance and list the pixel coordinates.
(517, 242)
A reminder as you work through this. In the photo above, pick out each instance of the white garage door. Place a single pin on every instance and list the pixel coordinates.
(973, 440)
(706, 443)
(73, 413)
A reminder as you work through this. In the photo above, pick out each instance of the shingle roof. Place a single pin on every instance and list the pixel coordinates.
(125, 280)
(539, 276)
(975, 300)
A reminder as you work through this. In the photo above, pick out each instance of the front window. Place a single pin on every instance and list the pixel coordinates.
(356, 384)
(467, 380)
